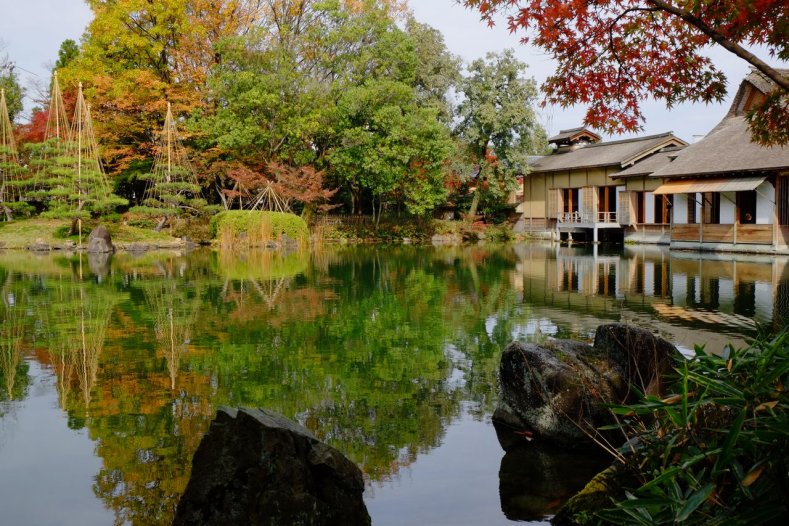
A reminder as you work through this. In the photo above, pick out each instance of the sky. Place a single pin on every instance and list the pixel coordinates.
(32, 31)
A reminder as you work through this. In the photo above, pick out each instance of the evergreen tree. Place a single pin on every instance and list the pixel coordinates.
(79, 187)
(172, 186)
(11, 173)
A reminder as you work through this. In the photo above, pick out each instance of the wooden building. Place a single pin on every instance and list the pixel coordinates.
(724, 192)
(572, 191)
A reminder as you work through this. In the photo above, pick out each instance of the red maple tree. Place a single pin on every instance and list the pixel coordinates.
(613, 54)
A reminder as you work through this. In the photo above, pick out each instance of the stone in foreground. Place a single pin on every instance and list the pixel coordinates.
(255, 467)
(557, 391)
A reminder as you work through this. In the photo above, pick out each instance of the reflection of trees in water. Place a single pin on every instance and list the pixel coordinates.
(78, 317)
(174, 308)
(12, 331)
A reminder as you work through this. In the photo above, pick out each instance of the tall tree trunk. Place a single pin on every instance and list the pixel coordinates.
(472, 211)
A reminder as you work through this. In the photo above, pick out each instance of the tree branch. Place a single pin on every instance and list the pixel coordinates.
(723, 41)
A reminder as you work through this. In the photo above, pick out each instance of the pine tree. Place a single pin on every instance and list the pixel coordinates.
(12, 175)
(172, 186)
(80, 187)
(44, 154)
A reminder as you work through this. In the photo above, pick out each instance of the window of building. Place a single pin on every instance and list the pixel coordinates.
(640, 208)
(746, 207)
(782, 199)
(571, 201)
(663, 204)
(606, 204)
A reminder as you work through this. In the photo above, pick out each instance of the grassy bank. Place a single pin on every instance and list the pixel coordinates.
(53, 232)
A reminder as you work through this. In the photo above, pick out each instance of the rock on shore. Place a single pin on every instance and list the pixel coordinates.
(557, 391)
(255, 467)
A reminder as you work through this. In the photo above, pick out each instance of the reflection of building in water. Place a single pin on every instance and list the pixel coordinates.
(720, 299)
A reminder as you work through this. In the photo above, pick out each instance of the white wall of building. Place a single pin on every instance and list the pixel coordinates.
(765, 197)
(680, 209)
(649, 207)
(728, 208)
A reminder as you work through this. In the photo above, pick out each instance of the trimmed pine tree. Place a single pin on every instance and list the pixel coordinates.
(172, 188)
(12, 174)
(78, 187)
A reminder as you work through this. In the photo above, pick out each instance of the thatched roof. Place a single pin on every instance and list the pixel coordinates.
(726, 149)
(651, 164)
(618, 154)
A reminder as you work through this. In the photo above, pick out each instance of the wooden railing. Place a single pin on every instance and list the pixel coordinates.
(586, 217)
(745, 234)
(569, 217)
(685, 232)
(606, 217)
(755, 234)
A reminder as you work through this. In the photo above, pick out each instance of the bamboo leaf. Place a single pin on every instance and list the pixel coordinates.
(694, 501)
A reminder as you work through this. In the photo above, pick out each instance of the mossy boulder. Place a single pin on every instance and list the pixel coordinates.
(558, 391)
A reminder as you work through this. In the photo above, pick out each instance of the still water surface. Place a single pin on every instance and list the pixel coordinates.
(110, 371)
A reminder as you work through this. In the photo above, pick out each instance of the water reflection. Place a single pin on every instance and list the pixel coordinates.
(376, 350)
(687, 297)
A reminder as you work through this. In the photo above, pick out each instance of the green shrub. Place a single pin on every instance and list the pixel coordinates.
(717, 451)
(499, 233)
(258, 225)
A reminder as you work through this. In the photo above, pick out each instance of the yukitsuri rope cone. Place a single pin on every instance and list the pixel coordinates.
(172, 186)
(12, 175)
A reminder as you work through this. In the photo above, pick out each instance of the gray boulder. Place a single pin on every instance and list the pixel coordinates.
(557, 391)
(39, 246)
(100, 241)
(255, 467)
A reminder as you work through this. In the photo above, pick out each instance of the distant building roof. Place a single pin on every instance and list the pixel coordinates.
(620, 153)
(574, 135)
(651, 164)
(728, 148)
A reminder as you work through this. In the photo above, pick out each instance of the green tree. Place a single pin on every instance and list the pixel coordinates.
(437, 70)
(67, 53)
(267, 108)
(9, 81)
(387, 143)
(137, 54)
(78, 187)
(388, 139)
(172, 186)
(498, 123)
(12, 175)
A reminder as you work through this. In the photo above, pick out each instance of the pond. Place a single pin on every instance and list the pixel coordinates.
(112, 369)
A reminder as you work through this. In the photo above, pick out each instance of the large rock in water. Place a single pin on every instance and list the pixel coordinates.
(100, 241)
(557, 391)
(255, 467)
